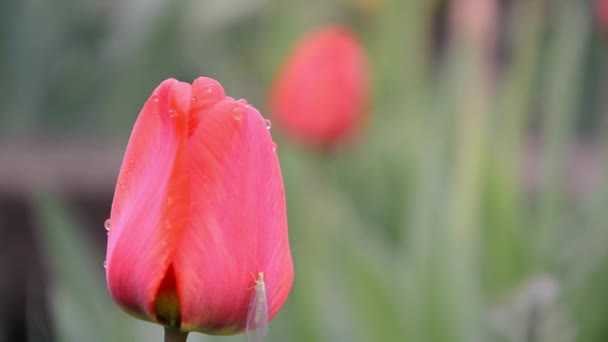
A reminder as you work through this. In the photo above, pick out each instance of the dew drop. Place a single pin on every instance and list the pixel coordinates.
(237, 113)
(243, 102)
(268, 123)
(105, 264)
(208, 89)
(274, 147)
(193, 99)
(130, 166)
(155, 98)
(172, 113)
(107, 224)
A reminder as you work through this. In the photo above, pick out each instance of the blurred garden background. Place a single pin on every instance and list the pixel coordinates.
(471, 206)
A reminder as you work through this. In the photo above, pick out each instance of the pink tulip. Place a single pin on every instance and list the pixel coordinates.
(322, 92)
(198, 212)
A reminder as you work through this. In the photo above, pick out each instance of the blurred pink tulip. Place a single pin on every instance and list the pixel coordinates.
(322, 92)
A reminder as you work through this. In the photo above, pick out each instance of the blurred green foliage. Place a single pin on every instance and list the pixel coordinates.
(454, 217)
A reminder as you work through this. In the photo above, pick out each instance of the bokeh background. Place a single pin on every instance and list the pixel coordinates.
(473, 206)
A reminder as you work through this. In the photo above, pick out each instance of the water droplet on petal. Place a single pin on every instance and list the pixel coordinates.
(274, 147)
(208, 88)
(237, 113)
(107, 224)
(130, 164)
(105, 264)
(193, 99)
(155, 98)
(172, 113)
(243, 102)
(268, 123)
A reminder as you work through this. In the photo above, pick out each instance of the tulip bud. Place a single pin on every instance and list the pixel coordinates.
(198, 213)
(321, 93)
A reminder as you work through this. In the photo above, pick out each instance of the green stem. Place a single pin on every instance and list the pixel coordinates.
(175, 335)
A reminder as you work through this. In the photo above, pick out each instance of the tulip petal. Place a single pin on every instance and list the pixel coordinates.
(150, 206)
(237, 226)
